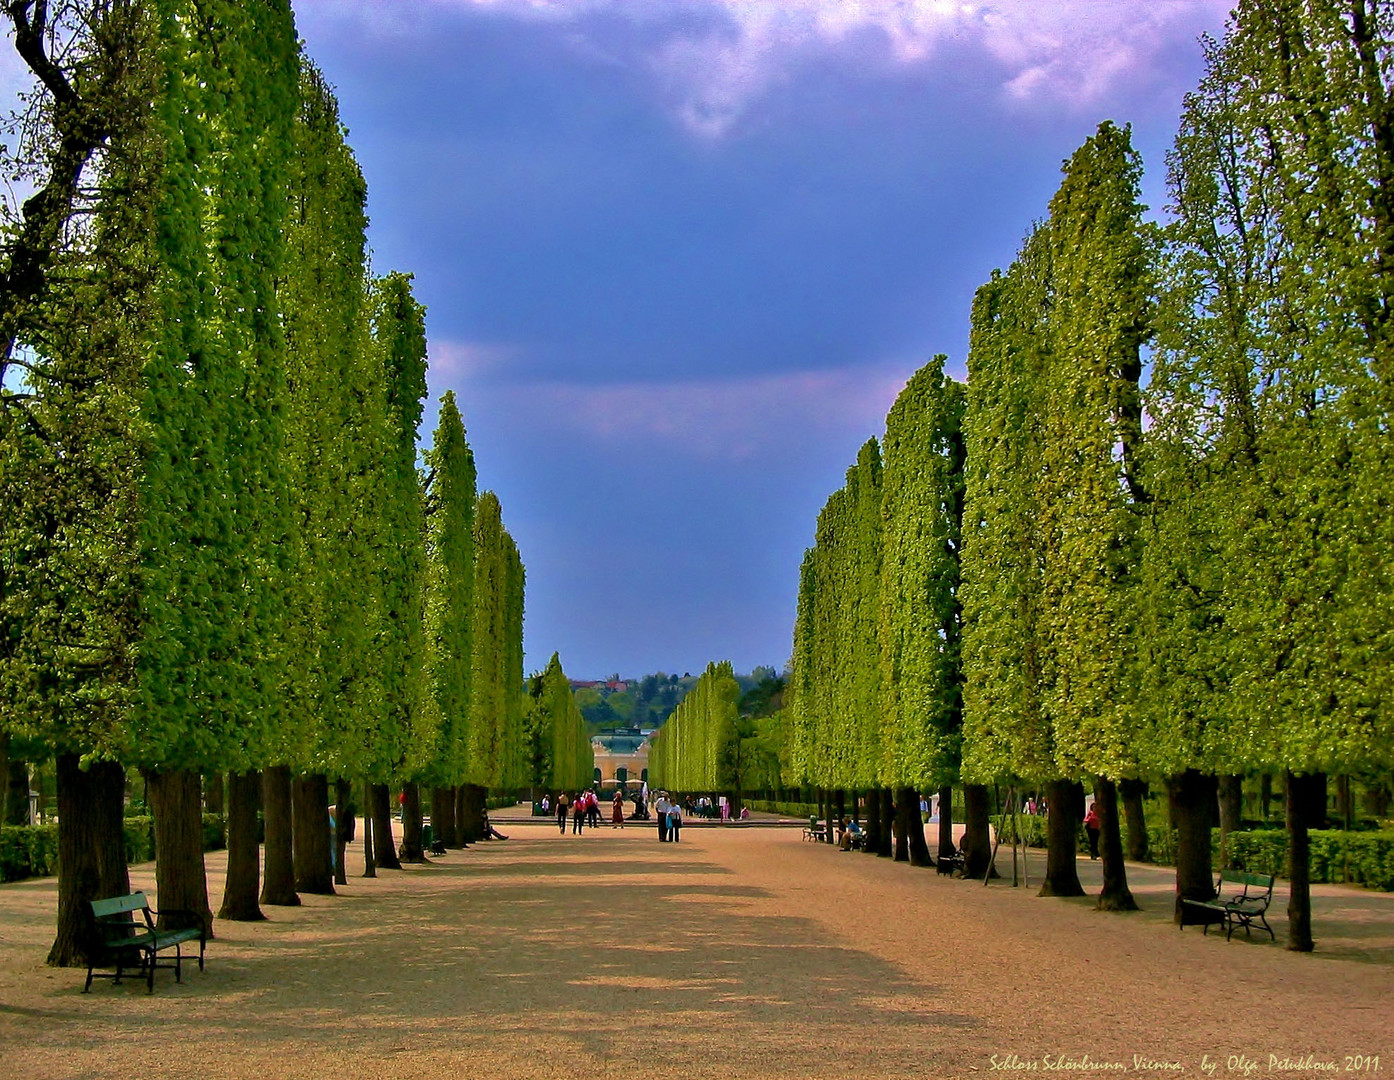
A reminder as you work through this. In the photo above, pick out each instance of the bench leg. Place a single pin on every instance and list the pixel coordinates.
(88, 985)
(150, 972)
(178, 962)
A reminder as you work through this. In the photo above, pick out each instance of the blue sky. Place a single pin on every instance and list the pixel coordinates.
(679, 257)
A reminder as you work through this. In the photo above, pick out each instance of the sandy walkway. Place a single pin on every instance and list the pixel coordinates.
(738, 953)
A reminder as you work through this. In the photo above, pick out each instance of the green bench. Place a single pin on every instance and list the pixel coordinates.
(1241, 899)
(126, 943)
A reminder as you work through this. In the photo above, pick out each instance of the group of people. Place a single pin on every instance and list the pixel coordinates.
(584, 809)
(669, 815)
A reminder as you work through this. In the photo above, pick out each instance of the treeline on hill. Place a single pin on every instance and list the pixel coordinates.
(649, 701)
(218, 555)
(1058, 575)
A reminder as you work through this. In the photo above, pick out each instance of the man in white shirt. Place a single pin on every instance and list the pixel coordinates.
(660, 810)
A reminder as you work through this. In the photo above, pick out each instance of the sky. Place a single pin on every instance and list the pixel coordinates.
(679, 256)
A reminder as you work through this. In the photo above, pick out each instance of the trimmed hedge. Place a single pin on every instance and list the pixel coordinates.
(1361, 858)
(785, 809)
(1338, 857)
(32, 850)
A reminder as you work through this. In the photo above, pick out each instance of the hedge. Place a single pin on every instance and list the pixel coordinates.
(786, 809)
(32, 850)
(1356, 857)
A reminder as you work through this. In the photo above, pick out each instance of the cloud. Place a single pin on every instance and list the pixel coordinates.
(712, 59)
(473, 361)
(718, 419)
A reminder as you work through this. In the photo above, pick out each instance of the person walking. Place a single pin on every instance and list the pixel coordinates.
(592, 809)
(674, 821)
(660, 811)
(617, 812)
(578, 814)
(1091, 826)
(562, 803)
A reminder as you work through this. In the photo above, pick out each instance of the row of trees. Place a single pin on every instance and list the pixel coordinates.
(219, 554)
(721, 738)
(1064, 571)
(562, 756)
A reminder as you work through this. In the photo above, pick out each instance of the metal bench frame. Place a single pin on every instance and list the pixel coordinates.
(1246, 907)
(122, 936)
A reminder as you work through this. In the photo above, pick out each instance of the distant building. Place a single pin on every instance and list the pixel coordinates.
(622, 758)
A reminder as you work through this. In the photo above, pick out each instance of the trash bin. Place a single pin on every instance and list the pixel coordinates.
(428, 837)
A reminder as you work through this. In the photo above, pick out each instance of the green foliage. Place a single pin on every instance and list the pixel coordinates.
(699, 748)
(562, 758)
(1005, 652)
(496, 755)
(211, 524)
(1267, 592)
(335, 433)
(835, 677)
(1362, 858)
(1053, 495)
(1088, 490)
(918, 618)
(405, 740)
(450, 590)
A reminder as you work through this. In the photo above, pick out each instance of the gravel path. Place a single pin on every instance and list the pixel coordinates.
(737, 953)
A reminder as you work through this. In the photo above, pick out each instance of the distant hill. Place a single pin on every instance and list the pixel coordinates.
(644, 703)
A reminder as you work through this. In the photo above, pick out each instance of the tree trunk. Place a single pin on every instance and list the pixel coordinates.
(1315, 808)
(15, 776)
(946, 821)
(977, 847)
(1378, 797)
(1265, 795)
(900, 825)
(461, 841)
(887, 847)
(344, 826)
(384, 847)
(1115, 895)
(91, 852)
(213, 801)
(474, 812)
(243, 853)
(1230, 795)
(873, 822)
(1345, 804)
(443, 815)
(856, 809)
(314, 871)
(370, 866)
(1133, 792)
(278, 876)
(1301, 794)
(411, 823)
(839, 805)
(176, 805)
(914, 829)
(1191, 797)
(1062, 831)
